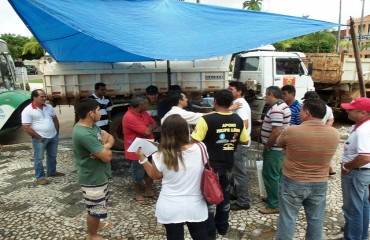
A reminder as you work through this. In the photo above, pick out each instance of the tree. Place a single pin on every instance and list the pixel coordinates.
(15, 43)
(255, 5)
(323, 41)
(32, 49)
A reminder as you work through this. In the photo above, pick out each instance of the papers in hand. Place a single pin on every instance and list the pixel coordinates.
(148, 146)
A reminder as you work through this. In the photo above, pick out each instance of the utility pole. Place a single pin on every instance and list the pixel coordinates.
(339, 22)
(358, 59)
(360, 28)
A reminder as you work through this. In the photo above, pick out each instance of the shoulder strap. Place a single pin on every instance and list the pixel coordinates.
(204, 154)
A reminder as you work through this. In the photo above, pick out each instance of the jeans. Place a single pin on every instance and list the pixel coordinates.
(272, 173)
(240, 176)
(137, 171)
(50, 145)
(220, 219)
(356, 204)
(294, 195)
(197, 230)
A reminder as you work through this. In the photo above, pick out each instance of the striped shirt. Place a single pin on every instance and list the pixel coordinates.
(295, 109)
(105, 107)
(277, 116)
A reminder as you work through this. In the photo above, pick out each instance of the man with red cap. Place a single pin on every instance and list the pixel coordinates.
(356, 171)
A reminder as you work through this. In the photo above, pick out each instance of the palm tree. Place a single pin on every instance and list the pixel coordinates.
(255, 5)
(33, 48)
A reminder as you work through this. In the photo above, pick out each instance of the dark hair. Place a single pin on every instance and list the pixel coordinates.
(275, 91)
(239, 86)
(98, 85)
(175, 88)
(315, 106)
(174, 97)
(151, 90)
(310, 94)
(224, 98)
(174, 134)
(84, 106)
(35, 93)
(289, 88)
(138, 100)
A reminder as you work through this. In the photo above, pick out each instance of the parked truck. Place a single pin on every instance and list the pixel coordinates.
(335, 77)
(66, 83)
(12, 99)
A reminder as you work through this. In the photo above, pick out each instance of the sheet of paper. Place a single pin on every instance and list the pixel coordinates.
(147, 146)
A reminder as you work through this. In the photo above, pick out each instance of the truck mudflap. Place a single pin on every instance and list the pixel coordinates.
(12, 104)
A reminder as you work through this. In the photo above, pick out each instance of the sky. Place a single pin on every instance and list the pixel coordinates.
(325, 10)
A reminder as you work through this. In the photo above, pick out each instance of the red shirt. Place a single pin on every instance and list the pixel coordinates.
(134, 124)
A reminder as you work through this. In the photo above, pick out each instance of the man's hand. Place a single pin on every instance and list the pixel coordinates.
(344, 170)
(235, 106)
(104, 136)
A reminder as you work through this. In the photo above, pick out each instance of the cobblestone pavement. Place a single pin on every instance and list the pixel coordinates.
(56, 211)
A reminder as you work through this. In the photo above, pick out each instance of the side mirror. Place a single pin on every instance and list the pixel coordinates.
(310, 68)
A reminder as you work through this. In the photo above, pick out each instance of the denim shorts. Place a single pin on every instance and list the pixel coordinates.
(137, 171)
(96, 198)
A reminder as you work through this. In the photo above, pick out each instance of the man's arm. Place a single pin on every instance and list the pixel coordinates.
(280, 141)
(273, 136)
(56, 123)
(330, 122)
(27, 128)
(358, 162)
(107, 140)
(150, 129)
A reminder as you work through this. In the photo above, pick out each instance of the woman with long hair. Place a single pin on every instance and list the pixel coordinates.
(179, 163)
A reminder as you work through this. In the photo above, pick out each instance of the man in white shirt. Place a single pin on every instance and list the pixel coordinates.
(240, 155)
(41, 123)
(178, 102)
(356, 171)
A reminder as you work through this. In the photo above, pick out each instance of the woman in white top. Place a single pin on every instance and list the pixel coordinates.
(179, 163)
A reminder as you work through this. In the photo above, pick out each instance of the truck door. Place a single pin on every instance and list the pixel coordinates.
(291, 71)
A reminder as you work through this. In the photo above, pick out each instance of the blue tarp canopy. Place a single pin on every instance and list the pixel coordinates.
(141, 30)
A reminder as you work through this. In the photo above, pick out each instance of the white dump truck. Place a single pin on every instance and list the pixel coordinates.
(67, 82)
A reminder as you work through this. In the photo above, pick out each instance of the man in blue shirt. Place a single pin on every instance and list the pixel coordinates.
(294, 105)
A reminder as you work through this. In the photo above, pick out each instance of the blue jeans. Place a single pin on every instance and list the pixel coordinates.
(356, 204)
(137, 171)
(240, 175)
(50, 145)
(220, 220)
(294, 195)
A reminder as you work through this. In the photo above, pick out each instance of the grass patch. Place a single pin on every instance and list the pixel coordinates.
(35, 81)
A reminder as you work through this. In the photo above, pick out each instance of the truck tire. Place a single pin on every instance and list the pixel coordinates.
(116, 131)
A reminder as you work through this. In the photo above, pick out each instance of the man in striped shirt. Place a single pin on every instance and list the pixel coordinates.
(105, 106)
(294, 105)
(276, 119)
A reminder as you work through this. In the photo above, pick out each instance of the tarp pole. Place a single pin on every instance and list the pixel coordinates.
(168, 75)
(357, 58)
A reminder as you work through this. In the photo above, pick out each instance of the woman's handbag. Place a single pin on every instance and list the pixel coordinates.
(210, 184)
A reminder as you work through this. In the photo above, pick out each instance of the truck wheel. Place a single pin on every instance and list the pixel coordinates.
(116, 131)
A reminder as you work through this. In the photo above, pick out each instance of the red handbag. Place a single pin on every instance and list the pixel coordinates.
(210, 184)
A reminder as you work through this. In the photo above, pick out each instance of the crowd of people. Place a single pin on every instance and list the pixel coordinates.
(299, 143)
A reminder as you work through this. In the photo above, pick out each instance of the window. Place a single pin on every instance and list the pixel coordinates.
(249, 64)
(286, 66)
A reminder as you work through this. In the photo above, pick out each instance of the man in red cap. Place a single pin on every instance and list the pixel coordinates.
(356, 171)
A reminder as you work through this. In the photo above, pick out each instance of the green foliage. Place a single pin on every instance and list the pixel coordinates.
(323, 41)
(15, 43)
(23, 47)
(255, 5)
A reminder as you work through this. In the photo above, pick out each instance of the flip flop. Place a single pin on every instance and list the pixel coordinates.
(105, 225)
(332, 173)
(141, 201)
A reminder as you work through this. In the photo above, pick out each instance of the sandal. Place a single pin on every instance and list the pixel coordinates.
(105, 225)
(141, 201)
(154, 196)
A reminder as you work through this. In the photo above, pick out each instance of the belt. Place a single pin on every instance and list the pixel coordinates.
(360, 169)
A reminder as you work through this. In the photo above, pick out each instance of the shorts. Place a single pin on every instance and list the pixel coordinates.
(137, 171)
(96, 198)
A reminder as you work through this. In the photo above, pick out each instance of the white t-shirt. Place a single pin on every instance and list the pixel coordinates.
(190, 117)
(40, 120)
(244, 113)
(328, 115)
(358, 143)
(181, 199)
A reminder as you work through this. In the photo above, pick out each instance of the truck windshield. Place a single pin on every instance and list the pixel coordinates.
(249, 64)
(286, 66)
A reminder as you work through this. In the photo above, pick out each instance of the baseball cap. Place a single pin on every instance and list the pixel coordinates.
(361, 103)
(151, 89)
(310, 94)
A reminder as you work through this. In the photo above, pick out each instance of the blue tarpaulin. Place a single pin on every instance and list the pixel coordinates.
(141, 30)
